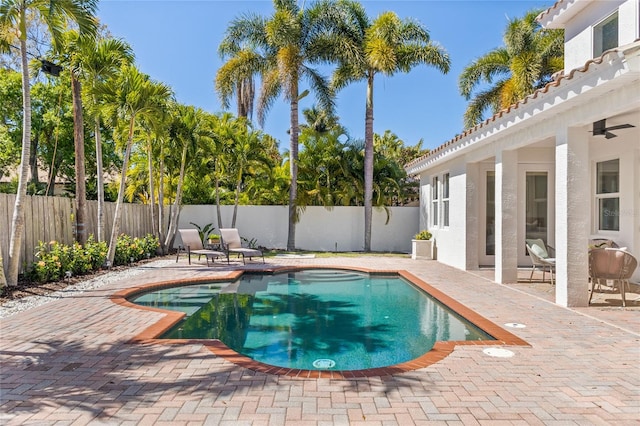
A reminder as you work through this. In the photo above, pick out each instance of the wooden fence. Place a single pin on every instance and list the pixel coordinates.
(52, 218)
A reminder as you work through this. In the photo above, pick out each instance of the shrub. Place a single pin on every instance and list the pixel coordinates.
(129, 250)
(423, 235)
(54, 259)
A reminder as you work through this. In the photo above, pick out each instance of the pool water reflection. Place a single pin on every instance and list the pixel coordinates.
(315, 319)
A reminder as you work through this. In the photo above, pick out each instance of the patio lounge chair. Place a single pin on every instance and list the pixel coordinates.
(191, 243)
(539, 255)
(232, 243)
(611, 264)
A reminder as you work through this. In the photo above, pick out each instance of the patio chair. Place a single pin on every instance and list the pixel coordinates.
(232, 243)
(602, 243)
(612, 264)
(191, 243)
(539, 255)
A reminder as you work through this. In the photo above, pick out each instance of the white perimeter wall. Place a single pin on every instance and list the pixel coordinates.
(319, 229)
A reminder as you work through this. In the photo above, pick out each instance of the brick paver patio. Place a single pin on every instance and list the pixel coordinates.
(69, 362)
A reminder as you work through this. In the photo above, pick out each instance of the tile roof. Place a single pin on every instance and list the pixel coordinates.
(558, 79)
(549, 9)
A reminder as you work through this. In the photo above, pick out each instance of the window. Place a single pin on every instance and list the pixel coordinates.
(434, 201)
(605, 35)
(607, 195)
(445, 199)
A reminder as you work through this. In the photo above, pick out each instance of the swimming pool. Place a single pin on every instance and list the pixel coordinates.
(315, 319)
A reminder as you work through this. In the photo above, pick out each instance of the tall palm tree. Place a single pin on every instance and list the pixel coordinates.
(289, 42)
(154, 130)
(385, 46)
(526, 62)
(246, 152)
(236, 76)
(73, 48)
(99, 63)
(186, 132)
(13, 16)
(132, 95)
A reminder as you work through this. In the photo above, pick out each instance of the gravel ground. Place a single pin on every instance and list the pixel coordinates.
(22, 301)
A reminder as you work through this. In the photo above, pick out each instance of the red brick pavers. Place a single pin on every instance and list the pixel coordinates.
(70, 362)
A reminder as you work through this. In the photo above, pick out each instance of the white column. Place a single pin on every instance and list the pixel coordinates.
(506, 217)
(572, 217)
(472, 220)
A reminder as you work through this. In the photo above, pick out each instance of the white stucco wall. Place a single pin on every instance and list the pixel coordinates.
(579, 30)
(626, 148)
(319, 229)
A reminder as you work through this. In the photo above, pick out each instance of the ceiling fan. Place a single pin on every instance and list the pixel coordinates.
(600, 128)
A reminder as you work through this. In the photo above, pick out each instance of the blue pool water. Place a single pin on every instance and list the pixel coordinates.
(316, 319)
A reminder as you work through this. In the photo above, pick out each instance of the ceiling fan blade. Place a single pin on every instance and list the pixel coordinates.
(620, 126)
(599, 127)
(609, 135)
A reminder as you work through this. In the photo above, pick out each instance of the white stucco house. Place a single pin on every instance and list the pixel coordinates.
(544, 168)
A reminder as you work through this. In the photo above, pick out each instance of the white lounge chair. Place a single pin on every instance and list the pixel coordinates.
(191, 243)
(232, 243)
(539, 255)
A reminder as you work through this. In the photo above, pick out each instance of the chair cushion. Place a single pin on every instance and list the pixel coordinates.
(538, 248)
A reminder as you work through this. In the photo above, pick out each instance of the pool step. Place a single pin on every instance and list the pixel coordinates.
(331, 276)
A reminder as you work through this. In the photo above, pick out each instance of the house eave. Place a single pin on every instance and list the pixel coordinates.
(562, 11)
(613, 69)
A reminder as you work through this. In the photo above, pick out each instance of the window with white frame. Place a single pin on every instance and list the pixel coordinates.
(434, 201)
(445, 199)
(608, 195)
(605, 35)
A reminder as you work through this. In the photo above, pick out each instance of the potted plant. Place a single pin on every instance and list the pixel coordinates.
(214, 240)
(422, 245)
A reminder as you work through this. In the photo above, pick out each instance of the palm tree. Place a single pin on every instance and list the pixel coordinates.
(132, 95)
(387, 45)
(246, 152)
(74, 47)
(288, 42)
(236, 76)
(99, 63)
(154, 128)
(13, 16)
(526, 62)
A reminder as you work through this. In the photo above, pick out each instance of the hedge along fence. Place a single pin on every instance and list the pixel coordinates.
(53, 219)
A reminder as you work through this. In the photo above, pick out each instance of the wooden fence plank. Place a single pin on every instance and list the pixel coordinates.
(50, 218)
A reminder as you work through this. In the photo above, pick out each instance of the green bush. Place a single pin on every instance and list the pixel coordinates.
(54, 259)
(423, 235)
(129, 250)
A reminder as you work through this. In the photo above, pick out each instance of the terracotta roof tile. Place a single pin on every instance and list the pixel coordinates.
(555, 83)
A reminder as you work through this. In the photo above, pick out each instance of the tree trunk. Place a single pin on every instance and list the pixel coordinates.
(293, 170)
(17, 222)
(152, 199)
(218, 210)
(100, 181)
(115, 230)
(161, 228)
(175, 215)
(33, 160)
(51, 179)
(368, 164)
(237, 200)
(3, 279)
(78, 139)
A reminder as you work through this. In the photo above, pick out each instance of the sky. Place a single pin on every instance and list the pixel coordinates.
(176, 43)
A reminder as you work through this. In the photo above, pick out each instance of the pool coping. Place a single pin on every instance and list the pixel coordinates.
(439, 351)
